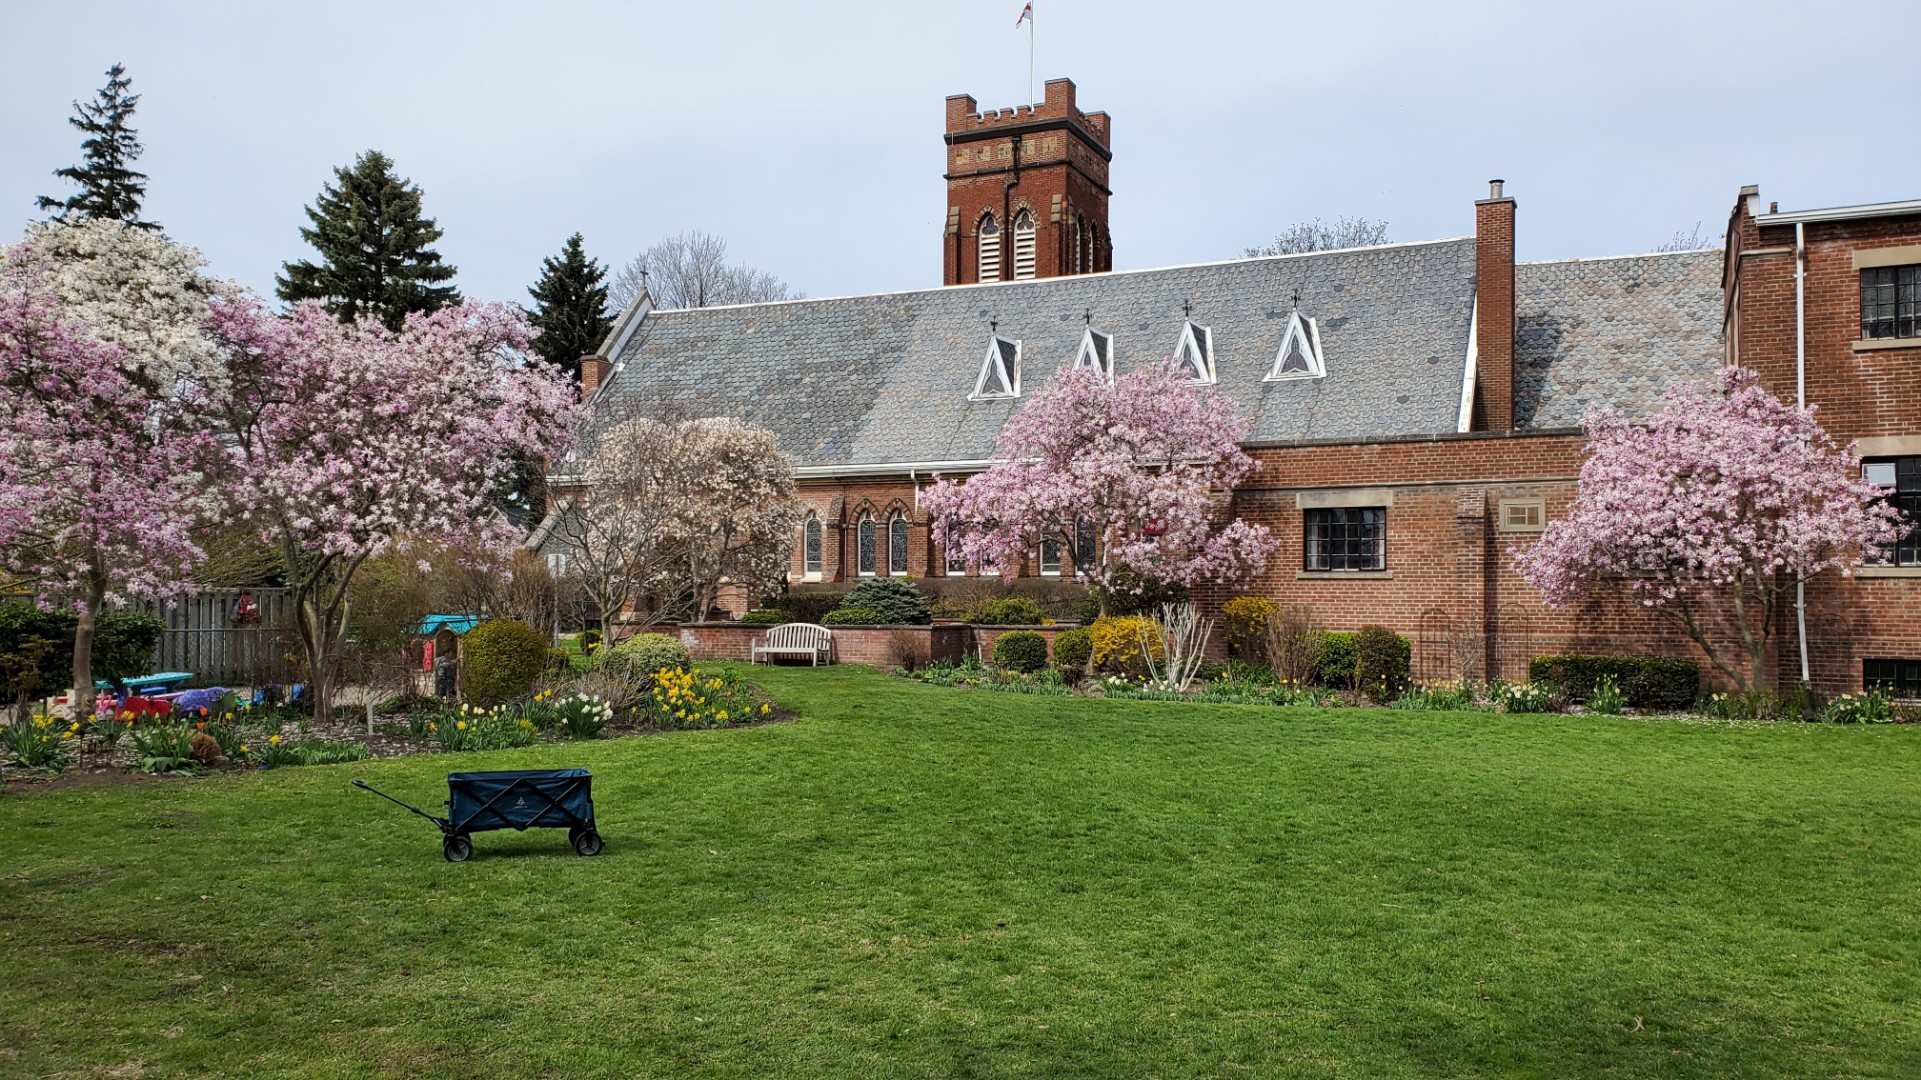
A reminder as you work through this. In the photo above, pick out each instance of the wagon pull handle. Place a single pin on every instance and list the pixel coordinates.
(365, 786)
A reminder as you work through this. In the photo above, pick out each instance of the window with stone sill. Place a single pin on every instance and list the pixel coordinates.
(1890, 302)
(1901, 479)
(810, 547)
(1345, 539)
(864, 542)
(897, 546)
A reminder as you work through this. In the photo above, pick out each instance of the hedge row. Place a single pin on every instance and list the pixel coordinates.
(1650, 682)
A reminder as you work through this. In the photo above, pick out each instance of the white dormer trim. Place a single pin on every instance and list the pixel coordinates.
(1096, 351)
(1303, 336)
(1000, 375)
(1195, 352)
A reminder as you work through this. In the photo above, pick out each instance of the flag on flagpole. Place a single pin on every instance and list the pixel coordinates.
(1026, 14)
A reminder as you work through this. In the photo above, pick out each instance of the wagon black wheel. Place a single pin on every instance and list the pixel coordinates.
(457, 848)
(586, 842)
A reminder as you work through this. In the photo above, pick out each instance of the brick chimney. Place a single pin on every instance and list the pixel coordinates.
(1494, 308)
(593, 372)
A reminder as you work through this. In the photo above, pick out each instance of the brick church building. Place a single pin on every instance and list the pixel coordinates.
(1416, 405)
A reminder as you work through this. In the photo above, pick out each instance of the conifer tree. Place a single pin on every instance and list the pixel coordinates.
(570, 307)
(109, 186)
(375, 248)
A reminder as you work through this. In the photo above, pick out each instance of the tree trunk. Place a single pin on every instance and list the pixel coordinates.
(82, 693)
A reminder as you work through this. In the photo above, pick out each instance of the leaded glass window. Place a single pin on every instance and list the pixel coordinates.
(897, 546)
(1898, 678)
(1891, 302)
(864, 544)
(1346, 539)
(1086, 544)
(810, 545)
(1051, 551)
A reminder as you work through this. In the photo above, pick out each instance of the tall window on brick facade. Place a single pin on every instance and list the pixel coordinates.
(956, 562)
(897, 546)
(1901, 478)
(1900, 678)
(1346, 539)
(810, 547)
(1051, 549)
(1023, 245)
(1891, 302)
(1086, 545)
(864, 542)
(990, 249)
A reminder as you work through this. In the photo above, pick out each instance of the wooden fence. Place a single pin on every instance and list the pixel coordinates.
(199, 636)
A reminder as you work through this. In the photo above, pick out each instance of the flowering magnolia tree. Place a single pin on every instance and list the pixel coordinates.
(98, 484)
(1144, 462)
(678, 510)
(341, 441)
(1712, 511)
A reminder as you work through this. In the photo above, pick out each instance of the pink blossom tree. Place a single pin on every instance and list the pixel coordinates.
(98, 485)
(1713, 510)
(1146, 462)
(341, 441)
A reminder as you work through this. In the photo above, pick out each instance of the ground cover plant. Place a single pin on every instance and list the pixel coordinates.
(918, 881)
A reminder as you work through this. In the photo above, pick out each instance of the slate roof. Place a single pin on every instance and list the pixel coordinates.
(1613, 332)
(885, 378)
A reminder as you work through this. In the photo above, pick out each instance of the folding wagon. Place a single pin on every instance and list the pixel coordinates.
(519, 800)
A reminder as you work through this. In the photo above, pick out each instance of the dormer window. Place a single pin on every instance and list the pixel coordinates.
(990, 248)
(1300, 355)
(1195, 352)
(1096, 352)
(1023, 245)
(1000, 375)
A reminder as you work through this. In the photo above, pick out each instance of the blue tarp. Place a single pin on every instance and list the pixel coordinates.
(459, 624)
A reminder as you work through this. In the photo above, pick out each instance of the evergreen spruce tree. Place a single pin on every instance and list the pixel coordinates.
(109, 186)
(570, 307)
(374, 245)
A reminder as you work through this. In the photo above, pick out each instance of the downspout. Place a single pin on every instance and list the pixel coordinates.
(1801, 401)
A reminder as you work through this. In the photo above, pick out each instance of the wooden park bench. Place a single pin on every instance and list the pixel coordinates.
(796, 639)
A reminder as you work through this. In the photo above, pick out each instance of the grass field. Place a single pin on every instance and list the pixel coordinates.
(912, 881)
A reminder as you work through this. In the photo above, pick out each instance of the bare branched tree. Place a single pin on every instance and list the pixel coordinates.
(1692, 240)
(1318, 235)
(690, 271)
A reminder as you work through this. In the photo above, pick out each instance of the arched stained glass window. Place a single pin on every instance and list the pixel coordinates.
(810, 546)
(865, 553)
(897, 546)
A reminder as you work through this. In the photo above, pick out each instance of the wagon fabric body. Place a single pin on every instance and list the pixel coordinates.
(518, 800)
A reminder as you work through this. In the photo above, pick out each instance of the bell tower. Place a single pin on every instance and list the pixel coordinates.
(1026, 190)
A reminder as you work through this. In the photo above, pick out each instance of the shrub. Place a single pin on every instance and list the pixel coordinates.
(36, 647)
(896, 599)
(559, 660)
(1073, 648)
(1131, 594)
(500, 659)
(1244, 624)
(852, 616)
(1292, 648)
(639, 657)
(1380, 662)
(1333, 658)
(1020, 650)
(1116, 644)
(909, 648)
(1649, 682)
(763, 617)
(1006, 611)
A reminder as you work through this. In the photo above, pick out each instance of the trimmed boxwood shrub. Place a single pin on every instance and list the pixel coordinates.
(639, 657)
(764, 617)
(811, 606)
(895, 599)
(1334, 658)
(1073, 648)
(1020, 650)
(853, 616)
(1380, 662)
(500, 659)
(1650, 682)
(1006, 611)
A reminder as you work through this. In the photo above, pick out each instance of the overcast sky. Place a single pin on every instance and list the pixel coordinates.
(809, 135)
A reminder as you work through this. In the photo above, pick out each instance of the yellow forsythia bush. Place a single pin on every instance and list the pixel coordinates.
(1117, 644)
(1244, 623)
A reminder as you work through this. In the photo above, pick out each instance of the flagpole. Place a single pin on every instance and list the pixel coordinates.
(1033, 102)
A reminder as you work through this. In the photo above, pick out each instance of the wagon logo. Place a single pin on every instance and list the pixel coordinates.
(520, 803)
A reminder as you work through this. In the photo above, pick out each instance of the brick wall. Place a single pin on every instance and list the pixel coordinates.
(879, 646)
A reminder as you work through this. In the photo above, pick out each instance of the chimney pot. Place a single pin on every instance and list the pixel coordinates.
(1774, 208)
(1494, 188)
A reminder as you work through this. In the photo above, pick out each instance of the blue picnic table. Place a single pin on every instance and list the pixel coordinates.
(159, 683)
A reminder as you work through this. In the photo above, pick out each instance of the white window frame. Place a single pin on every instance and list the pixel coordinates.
(1026, 240)
(1040, 557)
(1096, 351)
(1538, 505)
(995, 364)
(1195, 350)
(812, 525)
(868, 525)
(1307, 333)
(987, 251)
(899, 519)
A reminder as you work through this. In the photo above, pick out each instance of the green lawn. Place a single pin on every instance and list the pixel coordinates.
(911, 882)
